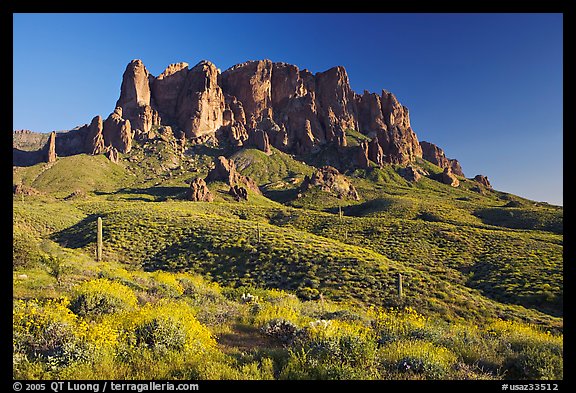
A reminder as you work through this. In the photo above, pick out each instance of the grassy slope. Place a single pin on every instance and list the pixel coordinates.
(428, 231)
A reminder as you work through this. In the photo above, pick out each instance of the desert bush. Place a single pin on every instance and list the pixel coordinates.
(25, 250)
(101, 296)
(166, 284)
(281, 330)
(307, 293)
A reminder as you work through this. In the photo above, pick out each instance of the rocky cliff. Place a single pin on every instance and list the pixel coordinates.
(260, 104)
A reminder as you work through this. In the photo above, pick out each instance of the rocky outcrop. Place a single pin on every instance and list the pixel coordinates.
(329, 179)
(225, 170)
(435, 155)
(361, 156)
(94, 138)
(455, 167)
(22, 189)
(375, 152)
(112, 155)
(447, 177)
(117, 132)
(135, 97)
(51, 148)
(483, 180)
(199, 191)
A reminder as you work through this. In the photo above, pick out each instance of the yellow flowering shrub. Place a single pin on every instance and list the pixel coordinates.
(393, 324)
(167, 324)
(417, 357)
(166, 284)
(102, 296)
(42, 328)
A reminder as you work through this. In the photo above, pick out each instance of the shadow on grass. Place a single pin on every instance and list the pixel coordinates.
(159, 193)
(81, 234)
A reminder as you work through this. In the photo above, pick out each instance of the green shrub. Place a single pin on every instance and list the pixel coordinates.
(307, 293)
(534, 363)
(25, 250)
(101, 296)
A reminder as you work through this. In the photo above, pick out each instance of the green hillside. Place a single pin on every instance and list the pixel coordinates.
(482, 274)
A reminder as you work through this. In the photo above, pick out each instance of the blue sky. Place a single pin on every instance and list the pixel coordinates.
(487, 88)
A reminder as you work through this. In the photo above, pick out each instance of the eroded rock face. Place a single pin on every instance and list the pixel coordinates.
(135, 97)
(329, 179)
(135, 89)
(298, 111)
(251, 83)
(361, 160)
(384, 117)
(375, 152)
(199, 191)
(166, 88)
(434, 154)
(483, 180)
(259, 139)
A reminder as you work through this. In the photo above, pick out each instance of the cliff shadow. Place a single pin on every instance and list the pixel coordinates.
(26, 158)
(159, 193)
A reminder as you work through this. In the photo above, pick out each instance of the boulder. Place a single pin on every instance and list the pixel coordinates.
(112, 155)
(199, 191)
(435, 155)
(412, 173)
(239, 193)
(447, 177)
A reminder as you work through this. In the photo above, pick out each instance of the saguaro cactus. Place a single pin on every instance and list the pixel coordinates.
(400, 285)
(99, 240)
